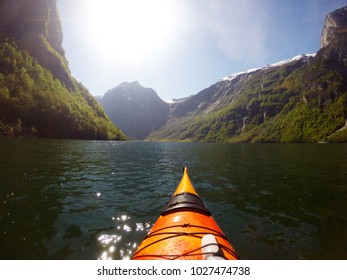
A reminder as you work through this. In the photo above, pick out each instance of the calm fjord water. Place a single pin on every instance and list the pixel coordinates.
(62, 199)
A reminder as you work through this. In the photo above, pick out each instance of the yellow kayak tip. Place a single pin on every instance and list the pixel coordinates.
(185, 186)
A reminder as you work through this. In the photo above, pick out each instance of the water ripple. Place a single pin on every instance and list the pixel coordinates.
(64, 199)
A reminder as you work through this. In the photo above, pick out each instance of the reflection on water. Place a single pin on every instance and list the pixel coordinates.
(64, 199)
(111, 241)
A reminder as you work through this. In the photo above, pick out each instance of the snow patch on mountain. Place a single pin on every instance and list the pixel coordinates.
(178, 100)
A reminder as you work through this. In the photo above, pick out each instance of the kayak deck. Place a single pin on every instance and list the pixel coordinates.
(180, 228)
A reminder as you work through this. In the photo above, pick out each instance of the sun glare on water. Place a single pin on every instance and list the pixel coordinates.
(129, 29)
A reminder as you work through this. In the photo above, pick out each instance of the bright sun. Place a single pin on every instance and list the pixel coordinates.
(130, 30)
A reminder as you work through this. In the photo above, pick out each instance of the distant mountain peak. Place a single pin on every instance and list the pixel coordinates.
(130, 84)
(133, 88)
(135, 109)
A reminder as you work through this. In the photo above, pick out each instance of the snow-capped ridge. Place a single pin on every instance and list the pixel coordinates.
(295, 58)
(178, 100)
(276, 64)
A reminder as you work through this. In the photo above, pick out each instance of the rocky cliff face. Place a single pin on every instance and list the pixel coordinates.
(136, 110)
(334, 36)
(35, 24)
(334, 22)
(27, 18)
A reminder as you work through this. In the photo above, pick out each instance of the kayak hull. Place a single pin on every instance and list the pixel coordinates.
(177, 236)
(178, 232)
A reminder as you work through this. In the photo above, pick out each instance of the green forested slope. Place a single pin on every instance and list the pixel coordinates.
(296, 102)
(35, 103)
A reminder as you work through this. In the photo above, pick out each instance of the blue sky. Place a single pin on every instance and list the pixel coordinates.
(179, 47)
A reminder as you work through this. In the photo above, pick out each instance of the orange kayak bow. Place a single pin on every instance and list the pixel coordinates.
(185, 230)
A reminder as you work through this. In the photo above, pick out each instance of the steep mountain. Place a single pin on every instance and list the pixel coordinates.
(303, 99)
(38, 95)
(136, 110)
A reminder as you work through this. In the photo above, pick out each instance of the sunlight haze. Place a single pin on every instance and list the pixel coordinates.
(129, 31)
